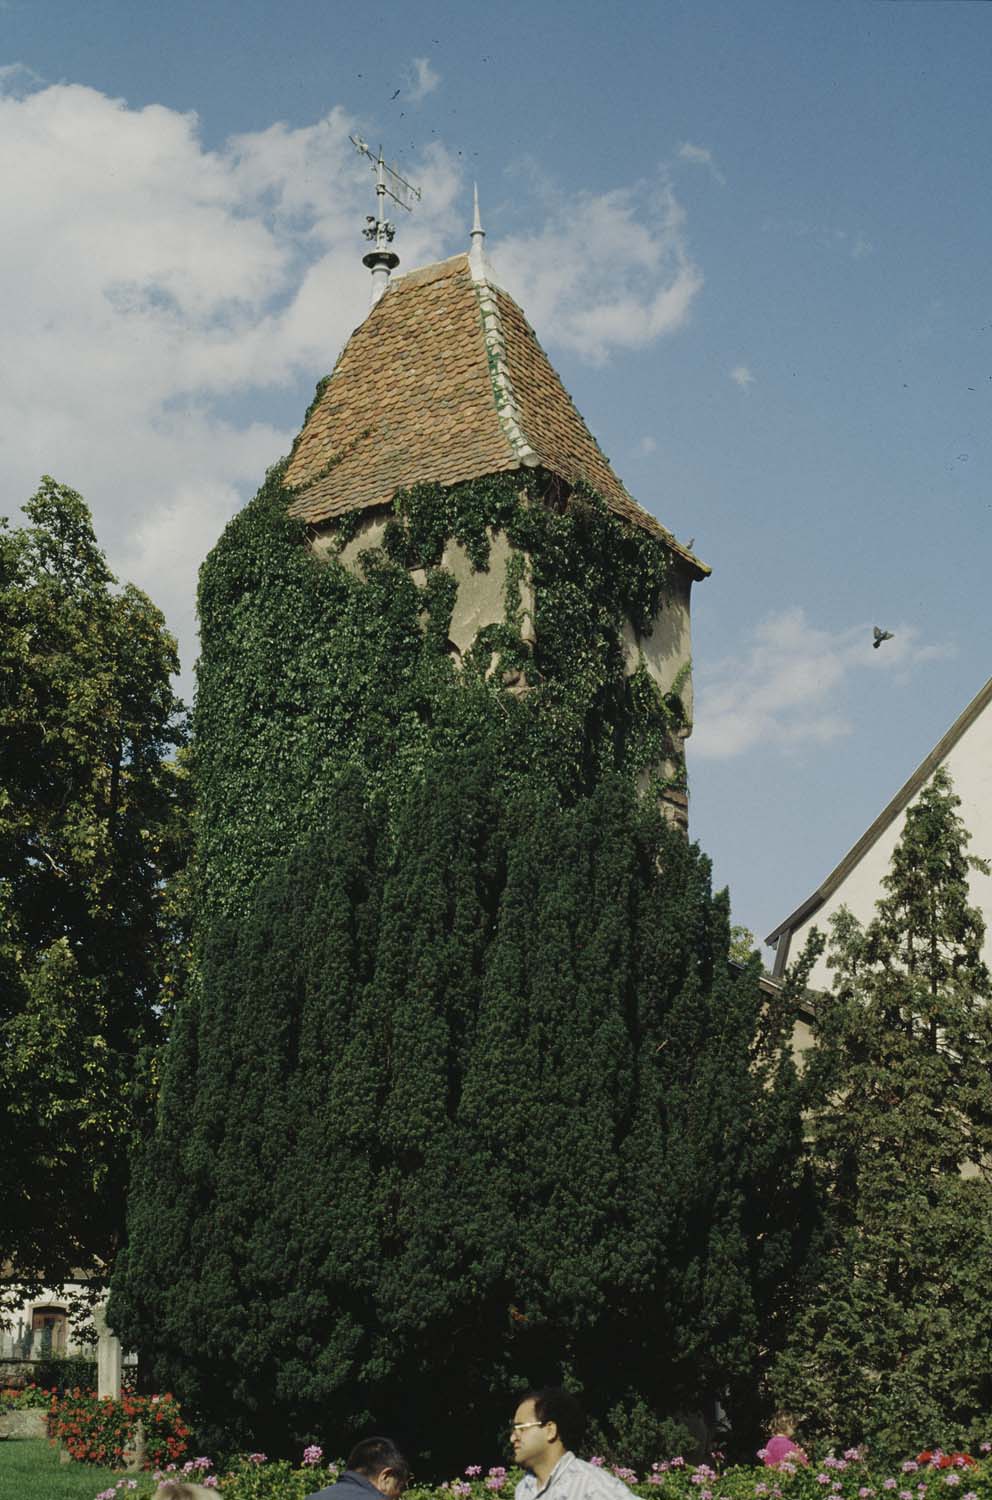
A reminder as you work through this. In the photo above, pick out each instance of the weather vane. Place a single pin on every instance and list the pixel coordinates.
(378, 229)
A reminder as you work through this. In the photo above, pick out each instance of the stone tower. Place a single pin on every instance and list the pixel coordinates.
(445, 382)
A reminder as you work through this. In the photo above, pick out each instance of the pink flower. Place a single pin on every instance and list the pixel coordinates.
(257, 1458)
(497, 1472)
(312, 1455)
(678, 1463)
(905, 1495)
(853, 1454)
(889, 1484)
(473, 1469)
(597, 1463)
(823, 1478)
(910, 1466)
(970, 1495)
(952, 1478)
(656, 1478)
(985, 1447)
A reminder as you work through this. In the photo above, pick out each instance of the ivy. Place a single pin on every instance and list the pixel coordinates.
(309, 668)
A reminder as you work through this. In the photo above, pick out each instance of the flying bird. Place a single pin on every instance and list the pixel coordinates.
(880, 636)
(395, 96)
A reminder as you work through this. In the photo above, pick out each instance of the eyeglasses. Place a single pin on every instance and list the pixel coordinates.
(522, 1426)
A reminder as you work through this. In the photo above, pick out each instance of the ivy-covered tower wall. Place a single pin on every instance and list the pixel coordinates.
(478, 616)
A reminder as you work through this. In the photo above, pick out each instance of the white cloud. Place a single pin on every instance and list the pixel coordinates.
(742, 376)
(701, 156)
(159, 298)
(155, 291)
(605, 271)
(422, 79)
(789, 686)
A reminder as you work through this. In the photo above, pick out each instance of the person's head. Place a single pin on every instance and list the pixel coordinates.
(547, 1424)
(379, 1459)
(783, 1423)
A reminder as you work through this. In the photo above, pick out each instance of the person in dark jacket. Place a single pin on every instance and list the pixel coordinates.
(376, 1468)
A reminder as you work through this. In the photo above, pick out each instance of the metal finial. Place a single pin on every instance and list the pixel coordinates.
(388, 183)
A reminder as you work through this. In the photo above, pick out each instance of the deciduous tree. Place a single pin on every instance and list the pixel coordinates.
(90, 828)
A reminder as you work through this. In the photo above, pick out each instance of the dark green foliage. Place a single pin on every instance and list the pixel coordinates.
(92, 823)
(466, 1115)
(465, 1093)
(894, 1335)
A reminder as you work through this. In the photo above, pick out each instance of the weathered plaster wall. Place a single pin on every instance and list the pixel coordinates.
(665, 651)
(481, 595)
(669, 646)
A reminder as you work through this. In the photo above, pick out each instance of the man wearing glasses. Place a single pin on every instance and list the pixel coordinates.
(545, 1431)
(376, 1470)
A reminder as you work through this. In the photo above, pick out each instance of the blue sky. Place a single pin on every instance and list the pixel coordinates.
(753, 238)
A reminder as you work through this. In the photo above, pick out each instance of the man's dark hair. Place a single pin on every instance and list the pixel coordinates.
(552, 1404)
(372, 1455)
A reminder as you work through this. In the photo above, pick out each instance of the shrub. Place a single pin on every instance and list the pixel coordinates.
(66, 1372)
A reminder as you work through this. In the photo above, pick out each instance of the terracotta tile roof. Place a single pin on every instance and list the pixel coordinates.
(445, 381)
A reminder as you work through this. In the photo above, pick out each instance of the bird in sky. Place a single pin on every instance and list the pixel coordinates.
(880, 636)
(395, 96)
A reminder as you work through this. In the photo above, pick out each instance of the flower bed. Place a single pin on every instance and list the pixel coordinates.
(932, 1475)
(25, 1398)
(98, 1430)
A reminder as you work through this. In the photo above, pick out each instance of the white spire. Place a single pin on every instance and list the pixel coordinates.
(477, 255)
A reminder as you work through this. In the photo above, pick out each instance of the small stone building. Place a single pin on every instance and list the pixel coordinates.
(446, 382)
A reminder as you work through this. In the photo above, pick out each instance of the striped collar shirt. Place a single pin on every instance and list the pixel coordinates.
(573, 1479)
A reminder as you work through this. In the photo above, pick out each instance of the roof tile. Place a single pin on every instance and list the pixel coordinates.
(445, 381)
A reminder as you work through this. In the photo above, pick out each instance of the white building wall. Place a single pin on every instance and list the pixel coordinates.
(969, 762)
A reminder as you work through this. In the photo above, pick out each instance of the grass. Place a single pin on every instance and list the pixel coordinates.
(30, 1470)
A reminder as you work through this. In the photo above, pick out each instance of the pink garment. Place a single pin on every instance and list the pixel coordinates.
(779, 1448)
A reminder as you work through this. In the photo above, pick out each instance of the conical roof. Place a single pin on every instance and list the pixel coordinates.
(444, 382)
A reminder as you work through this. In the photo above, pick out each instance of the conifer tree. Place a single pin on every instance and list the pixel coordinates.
(894, 1334)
